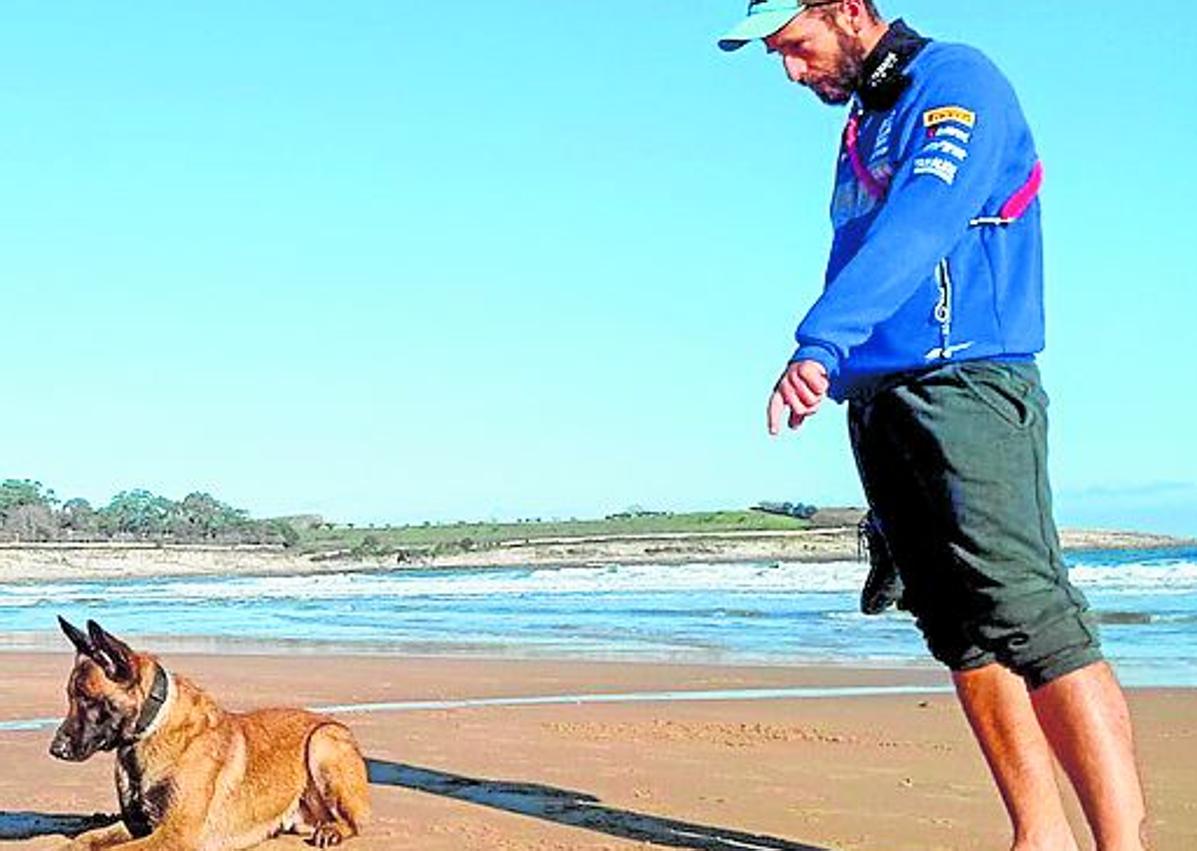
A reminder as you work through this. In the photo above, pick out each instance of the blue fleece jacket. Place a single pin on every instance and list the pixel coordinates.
(920, 273)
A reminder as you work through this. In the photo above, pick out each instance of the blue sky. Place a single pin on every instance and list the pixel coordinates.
(393, 261)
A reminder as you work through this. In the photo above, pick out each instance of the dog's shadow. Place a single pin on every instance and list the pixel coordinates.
(575, 809)
(561, 806)
(29, 825)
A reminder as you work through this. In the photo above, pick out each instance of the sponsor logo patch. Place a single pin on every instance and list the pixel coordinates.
(881, 146)
(945, 170)
(887, 65)
(944, 114)
(955, 132)
(943, 146)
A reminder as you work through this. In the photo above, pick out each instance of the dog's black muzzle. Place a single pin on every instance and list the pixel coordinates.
(72, 748)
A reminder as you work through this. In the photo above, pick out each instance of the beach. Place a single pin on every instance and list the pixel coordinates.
(705, 704)
(882, 771)
(25, 561)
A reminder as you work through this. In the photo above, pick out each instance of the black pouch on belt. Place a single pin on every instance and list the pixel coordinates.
(883, 586)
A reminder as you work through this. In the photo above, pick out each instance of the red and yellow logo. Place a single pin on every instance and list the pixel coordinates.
(944, 114)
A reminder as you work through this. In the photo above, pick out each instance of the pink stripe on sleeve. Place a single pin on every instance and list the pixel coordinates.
(1020, 200)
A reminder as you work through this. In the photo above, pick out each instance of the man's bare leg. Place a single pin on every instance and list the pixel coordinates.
(998, 708)
(1086, 720)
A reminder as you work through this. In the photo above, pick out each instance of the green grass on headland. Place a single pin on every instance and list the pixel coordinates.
(463, 536)
(32, 514)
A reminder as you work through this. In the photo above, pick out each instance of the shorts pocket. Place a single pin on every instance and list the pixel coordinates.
(1004, 394)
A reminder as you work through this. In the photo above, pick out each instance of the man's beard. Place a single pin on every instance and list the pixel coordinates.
(837, 88)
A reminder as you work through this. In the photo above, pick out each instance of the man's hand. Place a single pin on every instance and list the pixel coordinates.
(801, 388)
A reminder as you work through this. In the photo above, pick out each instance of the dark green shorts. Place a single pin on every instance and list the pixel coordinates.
(954, 464)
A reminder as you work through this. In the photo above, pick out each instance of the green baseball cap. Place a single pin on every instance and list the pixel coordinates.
(765, 17)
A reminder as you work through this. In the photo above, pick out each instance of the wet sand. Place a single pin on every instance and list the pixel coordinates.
(896, 771)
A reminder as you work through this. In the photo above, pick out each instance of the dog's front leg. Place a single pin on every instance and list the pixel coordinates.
(162, 839)
(180, 832)
(101, 837)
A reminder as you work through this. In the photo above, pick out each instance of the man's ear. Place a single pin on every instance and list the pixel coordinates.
(111, 654)
(78, 638)
(856, 13)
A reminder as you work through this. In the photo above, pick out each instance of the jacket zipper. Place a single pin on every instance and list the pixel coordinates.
(943, 309)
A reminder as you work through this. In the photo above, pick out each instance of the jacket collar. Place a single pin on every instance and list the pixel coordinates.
(884, 77)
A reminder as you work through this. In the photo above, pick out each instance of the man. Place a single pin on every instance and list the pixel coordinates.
(928, 326)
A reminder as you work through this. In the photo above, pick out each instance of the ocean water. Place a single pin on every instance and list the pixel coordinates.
(774, 613)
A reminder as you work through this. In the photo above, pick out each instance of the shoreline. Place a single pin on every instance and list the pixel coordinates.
(96, 561)
(913, 671)
(50, 641)
(893, 770)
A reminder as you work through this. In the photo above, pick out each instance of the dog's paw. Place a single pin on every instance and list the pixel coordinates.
(326, 836)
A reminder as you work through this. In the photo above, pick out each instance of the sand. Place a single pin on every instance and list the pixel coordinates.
(884, 772)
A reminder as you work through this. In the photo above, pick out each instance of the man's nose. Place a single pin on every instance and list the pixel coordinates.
(795, 68)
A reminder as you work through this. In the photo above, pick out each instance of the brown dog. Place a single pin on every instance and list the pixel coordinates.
(191, 775)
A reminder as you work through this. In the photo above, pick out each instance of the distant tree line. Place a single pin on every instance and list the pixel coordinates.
(30, 511)
(799, 510)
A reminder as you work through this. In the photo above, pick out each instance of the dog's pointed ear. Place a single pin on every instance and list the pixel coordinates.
(77, 636)
(112, 654)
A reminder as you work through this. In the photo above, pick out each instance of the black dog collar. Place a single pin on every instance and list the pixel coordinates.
(883, 77)
(154, 701)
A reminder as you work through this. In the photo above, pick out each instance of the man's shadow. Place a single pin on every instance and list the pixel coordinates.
(561, 806)
(575, 809)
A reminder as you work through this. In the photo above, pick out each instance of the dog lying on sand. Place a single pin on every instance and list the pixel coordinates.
(191, 775)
